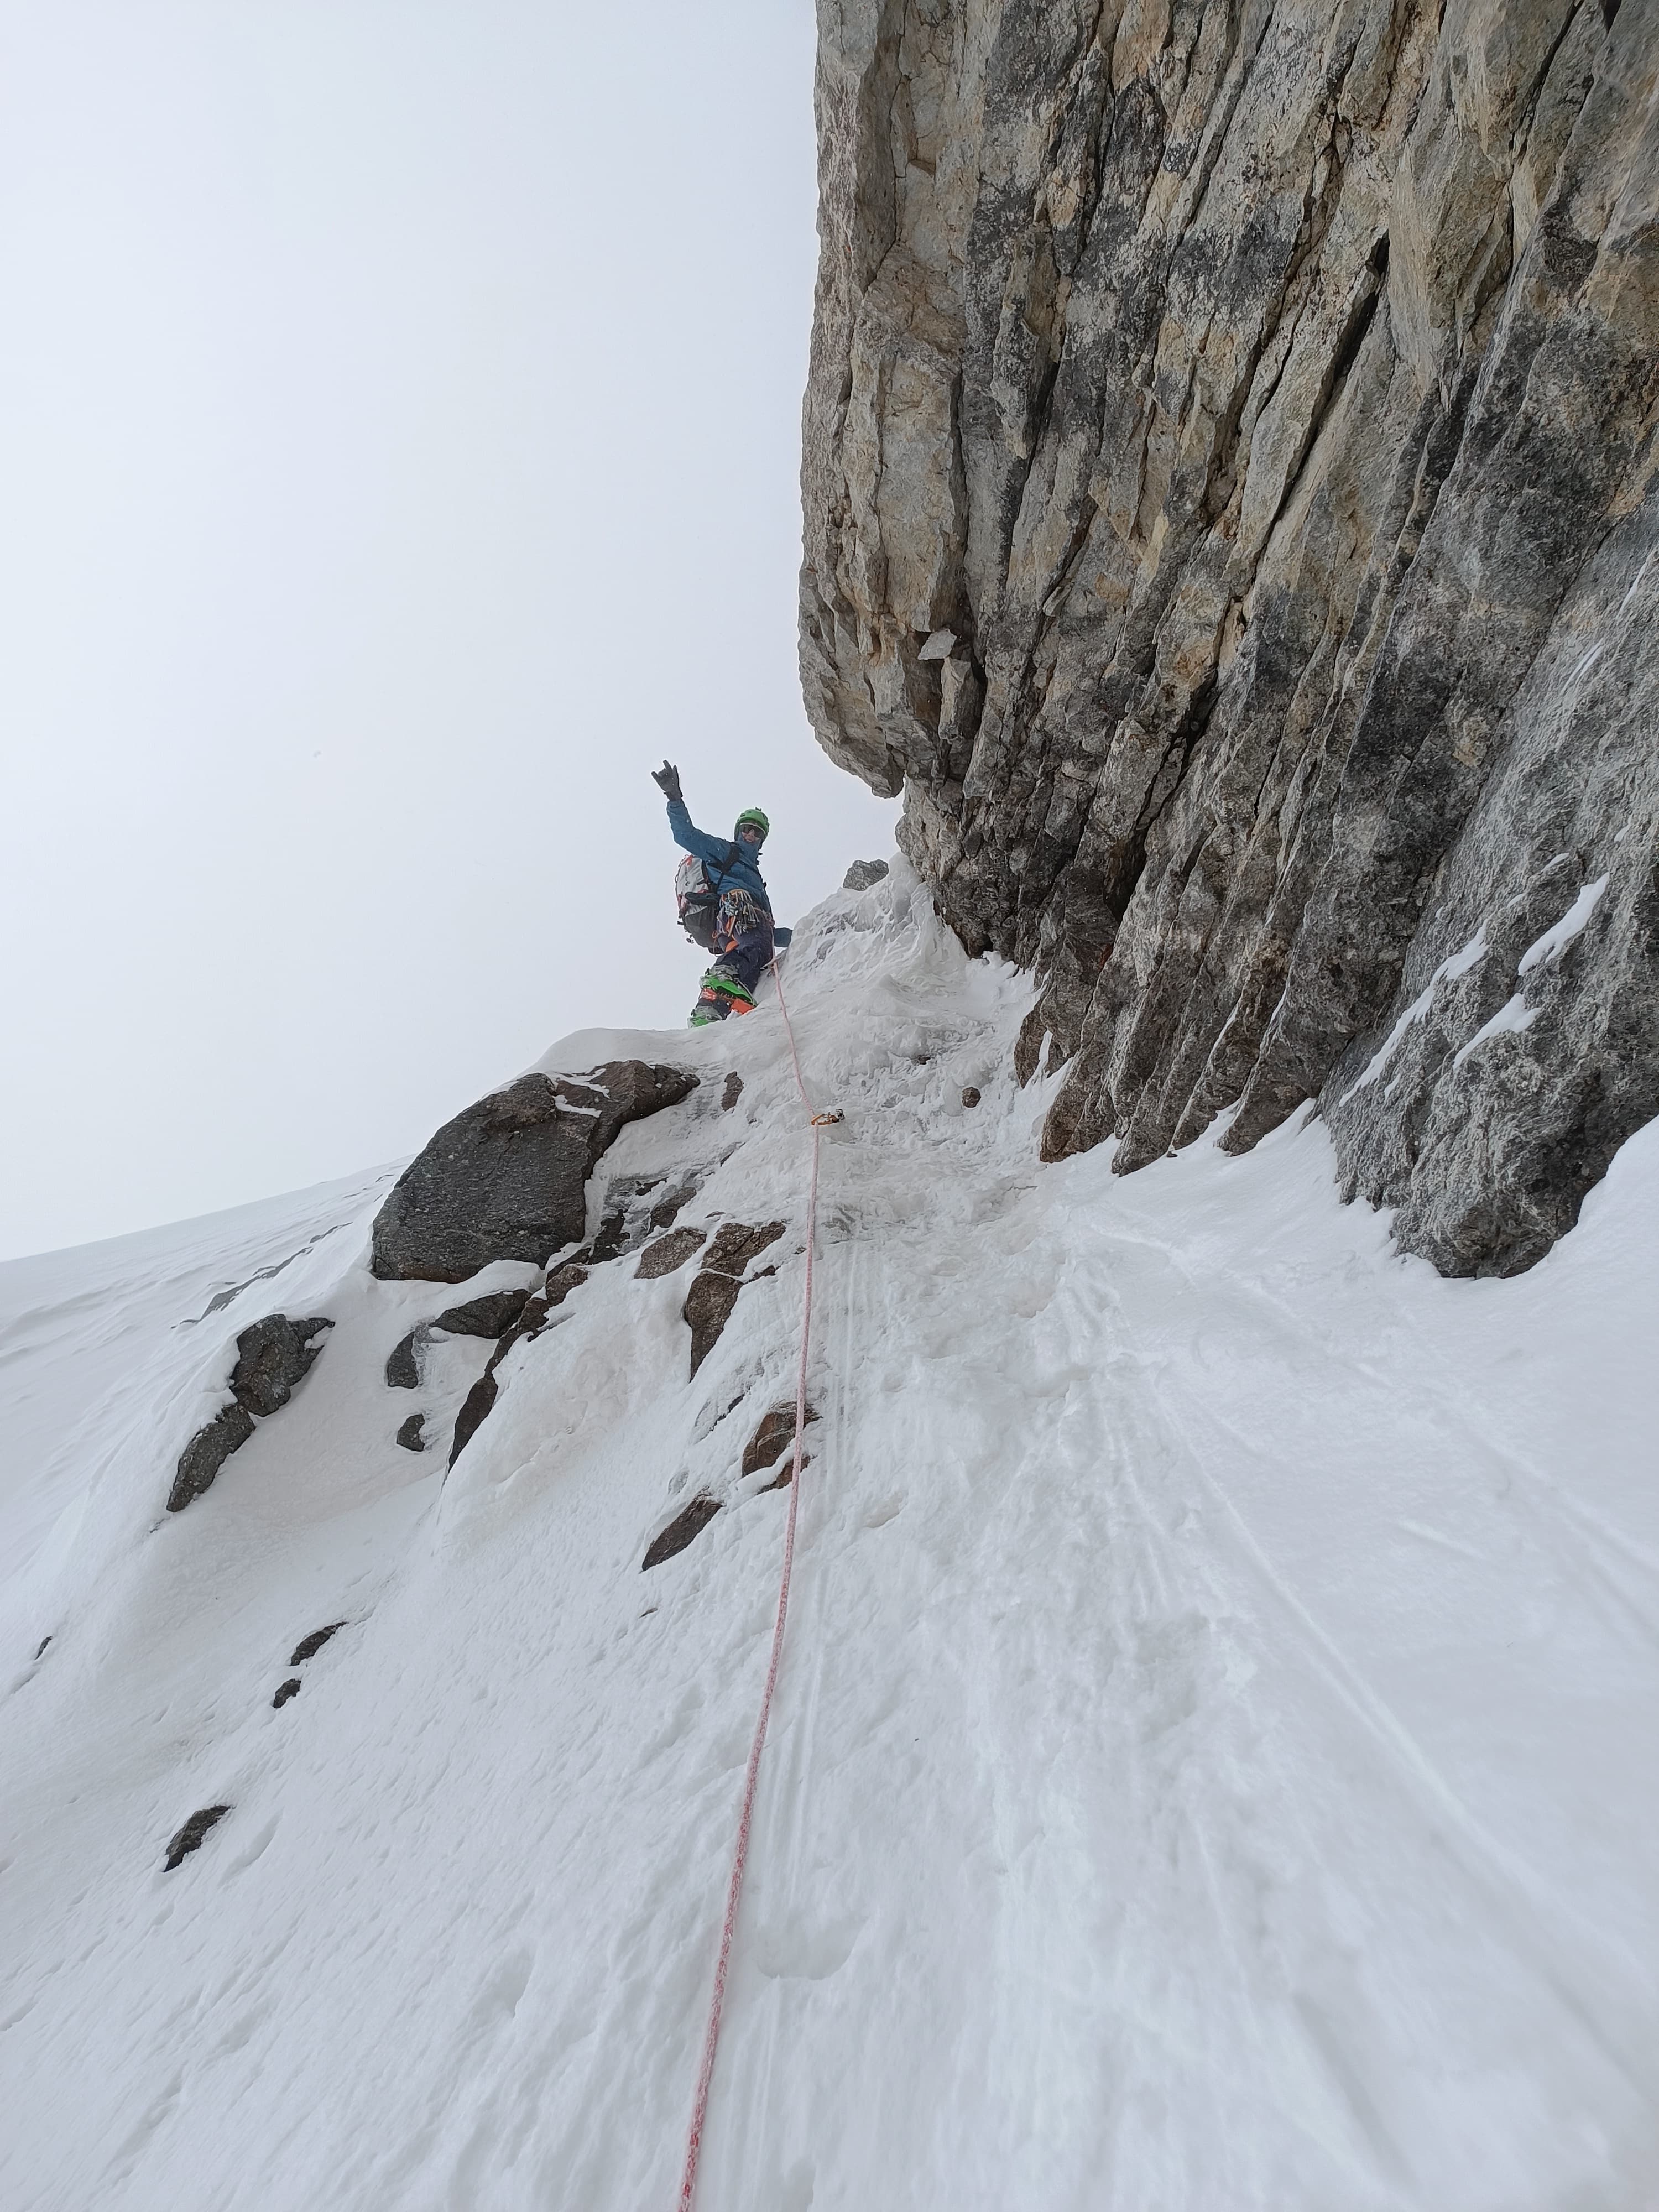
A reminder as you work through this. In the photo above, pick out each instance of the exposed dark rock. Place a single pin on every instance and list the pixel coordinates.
(403, 1368)
(970, 1096)
(409, 1434)
(40, 1648)
(667, 1209)
(708, 1308)
(206, 1453)
(1230, 507)
(733, 1091)
(309, 1646)
(569, 1276)
(713, 1291)
(532, 1319)
(189, 1837)
(737, 1243)
(611, 1239)
(480, 1400)
(668, 1253)
(492, 1315)
(862, 874)
(612, 1235)
(683, 1530)
(285, 1690)
(772, 1440)
(475, 1409)
(634, 1209)
(507, 1179)
(272, 1357)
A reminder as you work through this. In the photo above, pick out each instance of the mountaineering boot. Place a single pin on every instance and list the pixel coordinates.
(721, 996)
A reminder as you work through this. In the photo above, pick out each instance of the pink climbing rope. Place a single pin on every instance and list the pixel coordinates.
(745, 1819)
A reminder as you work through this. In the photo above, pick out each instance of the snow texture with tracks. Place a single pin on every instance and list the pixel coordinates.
(1212, 1765)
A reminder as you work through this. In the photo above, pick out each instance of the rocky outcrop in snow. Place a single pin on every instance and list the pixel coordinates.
(508, 1178)
(1230, 517)
(715, 1285)
(190, 1836)
(491, 1315)
(1242, 1637)
(272, 1357)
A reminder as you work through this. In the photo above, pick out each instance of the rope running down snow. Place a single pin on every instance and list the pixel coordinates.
(716, 2004)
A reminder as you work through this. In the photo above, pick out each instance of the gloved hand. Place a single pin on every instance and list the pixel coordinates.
(668, 780)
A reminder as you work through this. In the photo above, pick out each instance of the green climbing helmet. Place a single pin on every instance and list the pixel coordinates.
(753, 814)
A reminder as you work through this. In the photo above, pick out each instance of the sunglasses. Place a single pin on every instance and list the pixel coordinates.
(751, 833)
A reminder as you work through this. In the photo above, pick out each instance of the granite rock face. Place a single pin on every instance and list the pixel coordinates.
(1231, 508)
(507, 1179)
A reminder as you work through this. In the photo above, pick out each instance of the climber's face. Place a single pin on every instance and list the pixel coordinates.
(750, 833)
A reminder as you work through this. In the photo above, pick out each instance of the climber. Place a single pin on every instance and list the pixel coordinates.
(724, 905)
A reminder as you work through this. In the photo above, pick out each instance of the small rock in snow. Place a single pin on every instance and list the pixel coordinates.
(708, 1308)
(668, 1253)
(272, 1357)
(403, 1368)
(285, 1690)
(410, 1437)
(970, 1096)
(713, 1291)
(309, 1646)
(664, 1211)
(189, 1837)
(734, 1090)
(474, 1412)
(683, 1530)
(564, 1279)
(488, 1316)
(737, 1243)
(771, 1440)
(533, 1317)
(862, 874)
(206, 1453)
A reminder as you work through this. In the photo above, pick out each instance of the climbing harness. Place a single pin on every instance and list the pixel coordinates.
(817, 1122)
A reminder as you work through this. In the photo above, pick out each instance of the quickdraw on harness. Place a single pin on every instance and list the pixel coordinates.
(817, 1123)
(713, 913)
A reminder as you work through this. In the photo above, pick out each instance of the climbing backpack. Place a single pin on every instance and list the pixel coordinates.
(698, 900)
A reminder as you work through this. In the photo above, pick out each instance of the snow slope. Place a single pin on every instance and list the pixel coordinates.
(1212, 1766)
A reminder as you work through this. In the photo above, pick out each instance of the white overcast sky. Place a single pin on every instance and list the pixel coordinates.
(399, 416)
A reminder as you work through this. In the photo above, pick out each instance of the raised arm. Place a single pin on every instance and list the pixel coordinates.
(718, 850)
(686, 833)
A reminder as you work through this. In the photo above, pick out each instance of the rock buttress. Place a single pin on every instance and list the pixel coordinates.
(1229, 490)
(508, 1178)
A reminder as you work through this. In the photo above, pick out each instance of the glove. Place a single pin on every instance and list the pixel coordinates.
(668, 780)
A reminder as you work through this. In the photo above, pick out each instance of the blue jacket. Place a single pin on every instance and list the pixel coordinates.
(726, 860)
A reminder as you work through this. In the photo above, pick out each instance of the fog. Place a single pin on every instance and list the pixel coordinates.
(399, 416)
